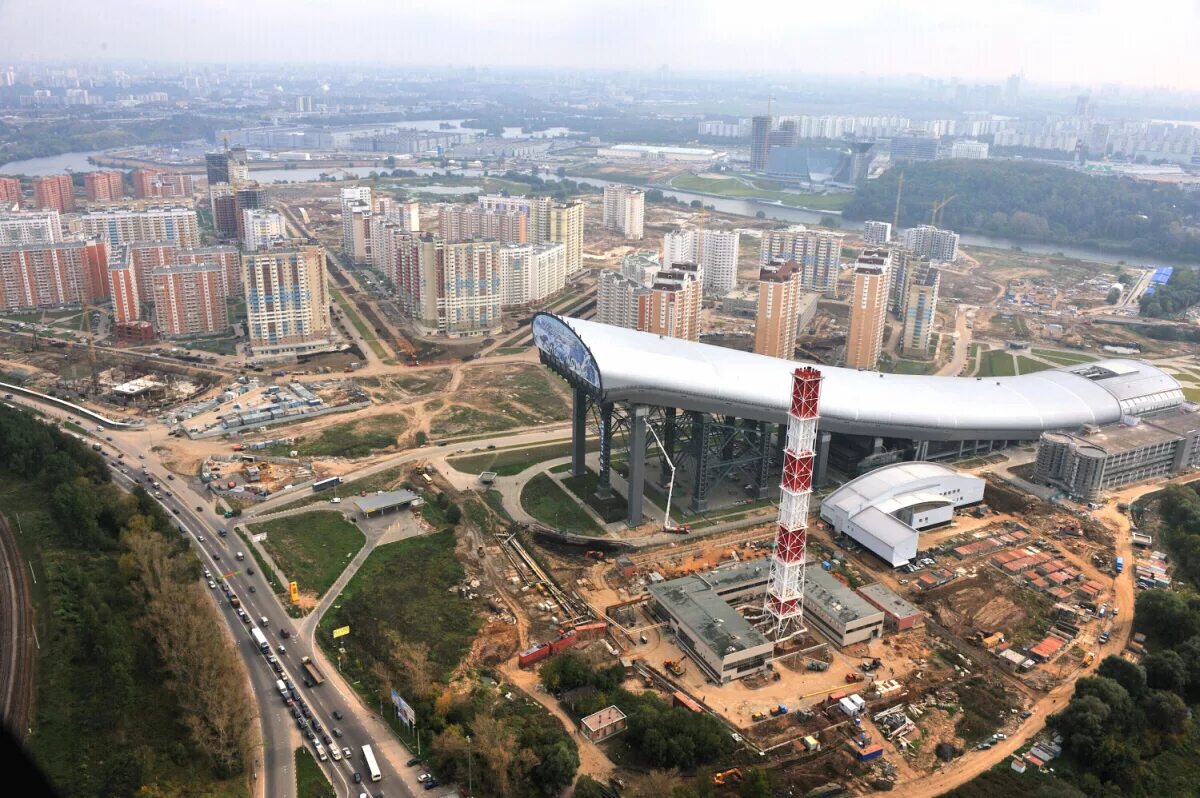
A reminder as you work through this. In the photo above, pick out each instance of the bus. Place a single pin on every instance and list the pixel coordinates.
(372, 766)
(325, 484)
(261, 639)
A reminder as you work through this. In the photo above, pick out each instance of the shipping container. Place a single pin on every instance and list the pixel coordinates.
(534, 654)
(870, 752)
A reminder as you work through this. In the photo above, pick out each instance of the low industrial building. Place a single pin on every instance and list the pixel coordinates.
(603, 724)
(838, 612)
(1097, 459)
(390, 501)
(898, 613)
(886, 508)
(697, 608)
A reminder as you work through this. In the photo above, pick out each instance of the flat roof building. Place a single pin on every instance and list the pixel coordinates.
(603, 724)
(721, 642)
(1104, 458)
(898, 613)
(838, 612)
(884, 509)
(380, 503)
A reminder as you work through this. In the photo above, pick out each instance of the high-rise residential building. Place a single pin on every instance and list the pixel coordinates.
(877, 234)
(287, 302)
(189, 299)
(357, 207)
(778, 308)
(929, 243)
(223, 202)
(531, 272)
(920, 310)
(123, 287)
(30, 227)
(248, 198)
(123, 224)
(537, 209)
(463, 223)
(228, 258)
(817, 252)
(227, 166)
(714, 251)
(641, 266)
(394, 253)
(914, 145)
(566, 228)
(673, 305)
(966, 148)
(55, 192)
(144, 256)
(868, 309)
(104, 186)
(261, 227)
(760, 133)
(619, 299)
(10, 192)
(304, 104)
(625, 210)
(50, 274)
(904, 266)
(455, 288)
(145, 183)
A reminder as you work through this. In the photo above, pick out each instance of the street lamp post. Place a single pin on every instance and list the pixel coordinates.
(470, 788)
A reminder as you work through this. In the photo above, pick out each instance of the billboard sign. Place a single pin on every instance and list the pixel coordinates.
(562, 346)
(403, 710)
(341, 631)
(294, 590)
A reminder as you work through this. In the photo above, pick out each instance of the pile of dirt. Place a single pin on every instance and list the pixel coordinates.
(495, 643)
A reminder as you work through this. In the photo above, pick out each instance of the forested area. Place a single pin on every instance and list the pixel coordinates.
(138, 691)
(37, 138)
(1039, 202)
(1171, 300)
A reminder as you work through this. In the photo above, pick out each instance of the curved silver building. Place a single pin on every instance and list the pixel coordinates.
(616, 366)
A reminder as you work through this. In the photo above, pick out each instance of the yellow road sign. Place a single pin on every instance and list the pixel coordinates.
(295, 591)
(341, 631)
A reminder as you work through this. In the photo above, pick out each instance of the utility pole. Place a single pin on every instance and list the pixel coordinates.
(470, 788)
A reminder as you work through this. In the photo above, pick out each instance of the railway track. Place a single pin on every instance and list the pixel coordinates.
(16, 634)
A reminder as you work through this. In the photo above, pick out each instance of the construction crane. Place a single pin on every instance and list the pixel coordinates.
(671, 484)
(899, 191)
(936, 216)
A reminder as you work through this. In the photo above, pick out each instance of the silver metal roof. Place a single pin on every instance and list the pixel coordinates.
(629, 366)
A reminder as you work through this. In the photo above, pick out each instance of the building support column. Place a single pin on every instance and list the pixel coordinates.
(637, 463)
(579, 434)
(921, 450)
(604, 487)
(669, 417)
(762, 488)
(700, 433)
(821, 472)
(877, 445)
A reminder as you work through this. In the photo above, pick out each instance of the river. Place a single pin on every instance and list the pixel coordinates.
(77, 162)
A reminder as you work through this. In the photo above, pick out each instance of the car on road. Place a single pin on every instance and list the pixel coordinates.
(216, 556)
(348, 751)
(251, 589)
(429, 785)
(200, 538)
(305, 711)
(281, 649)
(328, 741)
(284, 633)
(250, 571)
(199, 509)
(295, 712)
(412, 762)
(357, 777)
(175, 510)
(337, 732)
(316, 724)
(337, 714)
(141, 457)
(424, 777)
(108, 438)
(308, 682)
(212, 585)
(207, 574)
(310, 734)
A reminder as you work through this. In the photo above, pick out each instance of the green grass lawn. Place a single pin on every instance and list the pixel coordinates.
(546, 501)
(365, 331)
(352, 439)
(913, 367)
(510, 350)
(311, 548)
(996, 363)
(217, 346)
(402, 592)
(728, 187)
(611, 509)
(1028, 365)
(1064, 358)
(506, 462)
(310, 779)
(1192, 394)
(264, 568)
(460, 420)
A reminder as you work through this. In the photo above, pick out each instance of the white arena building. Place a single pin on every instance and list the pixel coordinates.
(885, 509)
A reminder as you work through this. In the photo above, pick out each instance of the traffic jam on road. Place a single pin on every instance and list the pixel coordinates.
(326, 739)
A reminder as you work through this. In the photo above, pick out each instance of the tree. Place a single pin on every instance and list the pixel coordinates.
(1114, 295)
(1125, 673)
(587, 787)
(1166, 670)
(453, 514)
(1165, 712)
(420, 439)
(757, 785)
(557, 768)
(1082, 725)
(760, 214)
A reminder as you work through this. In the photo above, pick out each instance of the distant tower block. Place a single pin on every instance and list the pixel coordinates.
(785, 592)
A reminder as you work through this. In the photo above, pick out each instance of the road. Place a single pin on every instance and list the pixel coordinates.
(962, 342)
(274, 768)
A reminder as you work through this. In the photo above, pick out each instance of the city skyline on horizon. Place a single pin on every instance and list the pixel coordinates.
(1067, 43)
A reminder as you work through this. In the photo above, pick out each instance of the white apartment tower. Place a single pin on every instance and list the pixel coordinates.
(930, 243)
(531, 272)
(262, 227)
(818, 253)
(877, 234)
(625, 210)
(287, 302)
(619, 298)
(715, 252)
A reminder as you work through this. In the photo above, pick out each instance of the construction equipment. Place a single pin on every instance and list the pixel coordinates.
(779, 711)
(817, 665)
(731, 776)
(594, 555)
(682, 530)
(675, 666)
(936, 216)
(758, 716)
(871, 665)
(852, 677)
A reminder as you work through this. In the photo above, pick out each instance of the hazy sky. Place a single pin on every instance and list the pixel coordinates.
(1150, 42)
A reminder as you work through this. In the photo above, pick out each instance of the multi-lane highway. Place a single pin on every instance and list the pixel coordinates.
(132, 463)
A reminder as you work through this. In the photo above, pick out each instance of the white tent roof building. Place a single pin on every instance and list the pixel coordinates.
(885, 509)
